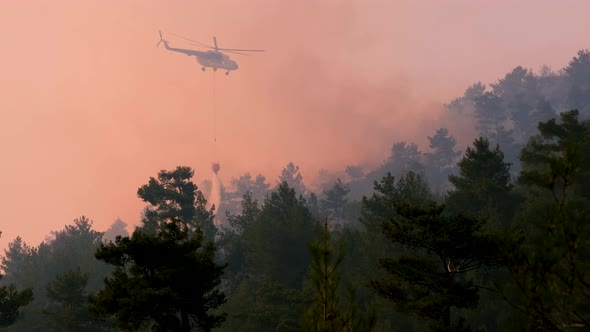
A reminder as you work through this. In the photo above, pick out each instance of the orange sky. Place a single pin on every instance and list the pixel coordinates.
(90, 108)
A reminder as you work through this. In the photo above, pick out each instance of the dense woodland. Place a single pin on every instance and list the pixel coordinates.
(493, 238)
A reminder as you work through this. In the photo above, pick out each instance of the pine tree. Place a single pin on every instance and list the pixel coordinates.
(490, 113)
(405, 157)
(68, 308)
(15, 261)
(334, 201)
(441, 160)
(10, 302)
(483, 187)
(165, 273)
(272, 244)
(168, 278)
(326, 313)
(578, 78)
(174, 195)
(291, 175)
(551, 266)
(436, 251)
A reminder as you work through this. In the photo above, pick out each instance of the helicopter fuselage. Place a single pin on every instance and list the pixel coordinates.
(215, 59)
(211, 59)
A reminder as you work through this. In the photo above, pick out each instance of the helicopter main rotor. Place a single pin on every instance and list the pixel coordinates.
(216, 48)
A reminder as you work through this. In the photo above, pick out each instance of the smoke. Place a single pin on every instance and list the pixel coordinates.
(341, 81)
(215, 197)
(330, 92)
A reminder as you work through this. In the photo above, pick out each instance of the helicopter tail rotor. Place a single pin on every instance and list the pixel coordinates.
(161, 39)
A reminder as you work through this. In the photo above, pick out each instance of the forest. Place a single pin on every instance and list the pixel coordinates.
(493, 238)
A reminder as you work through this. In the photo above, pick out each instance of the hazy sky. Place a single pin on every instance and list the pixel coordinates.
(90, 108)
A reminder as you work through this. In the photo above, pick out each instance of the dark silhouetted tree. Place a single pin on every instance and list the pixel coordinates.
(10, 301)
(552, 267)
(428, 277)
(165, 273)
(71, 248)
(68, 308)
(283, 219)
(16, 262)
(233, 243)
(167, 278)
(380, 207)
(274, 242)
(372, 243)
(326, 313)
(483, 187)
(174, 195)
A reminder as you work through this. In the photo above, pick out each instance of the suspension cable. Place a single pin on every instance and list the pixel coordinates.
(214, 117)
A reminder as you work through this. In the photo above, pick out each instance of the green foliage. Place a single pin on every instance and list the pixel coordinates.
(174, 195)
(483, 187)
(269, 307)
(326, 313)
(551, 267)
(433, 259)
(365, 247)
(412, 189)
(270, 244)
(15, 261)
(335, 201)
(558, 158)
(483, 190)
(68, 288)
(279, 236)
(380, 207)
(10, 301)
(68, 309)
(441, 160)
(427, 278)
(71, 248)
(323, 313)
(405, 157)
(168, 278)
(233, 242)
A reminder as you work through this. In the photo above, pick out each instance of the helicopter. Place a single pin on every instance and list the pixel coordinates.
(213, 59)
